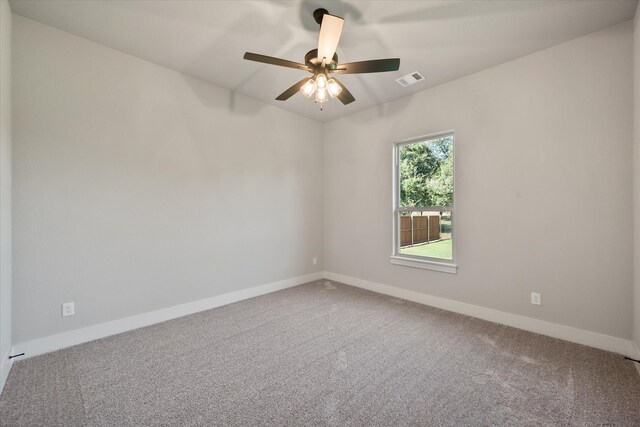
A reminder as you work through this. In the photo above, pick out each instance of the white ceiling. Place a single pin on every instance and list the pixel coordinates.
(444, 40)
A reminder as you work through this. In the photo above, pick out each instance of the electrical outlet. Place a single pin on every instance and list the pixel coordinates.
(315, 261)
(536, 299)
(68, 309)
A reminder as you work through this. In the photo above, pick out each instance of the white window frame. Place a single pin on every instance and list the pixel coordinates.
(436, 264)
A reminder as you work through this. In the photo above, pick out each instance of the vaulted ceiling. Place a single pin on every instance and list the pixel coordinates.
(443, 40)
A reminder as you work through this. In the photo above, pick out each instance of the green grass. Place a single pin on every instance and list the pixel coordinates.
(441, 249)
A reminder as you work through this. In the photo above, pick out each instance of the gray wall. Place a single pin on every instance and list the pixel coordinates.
(5, 187)
(543, 185)
(636, 176)
(138, 188)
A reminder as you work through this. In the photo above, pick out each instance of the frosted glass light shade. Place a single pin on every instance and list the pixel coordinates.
(321, 81)
(333, 88)
(322, 95)
(308, 88)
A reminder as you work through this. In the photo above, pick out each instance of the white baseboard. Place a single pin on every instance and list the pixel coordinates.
(567, 333)
(79, 336)
(5, 368)
(90, 333)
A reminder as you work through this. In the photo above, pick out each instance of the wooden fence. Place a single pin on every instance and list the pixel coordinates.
(419, 229)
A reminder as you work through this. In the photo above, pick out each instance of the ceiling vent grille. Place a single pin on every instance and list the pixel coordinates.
(410, 79)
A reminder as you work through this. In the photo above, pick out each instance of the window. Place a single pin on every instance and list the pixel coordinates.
(423, 196)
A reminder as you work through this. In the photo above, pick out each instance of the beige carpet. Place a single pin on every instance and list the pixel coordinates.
(323, 354)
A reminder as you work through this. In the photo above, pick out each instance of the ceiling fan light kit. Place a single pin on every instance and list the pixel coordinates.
(317, 62)
(323, 88)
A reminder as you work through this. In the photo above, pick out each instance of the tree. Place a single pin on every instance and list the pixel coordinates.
(426, 173)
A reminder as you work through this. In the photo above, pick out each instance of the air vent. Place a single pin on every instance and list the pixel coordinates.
(410, 79)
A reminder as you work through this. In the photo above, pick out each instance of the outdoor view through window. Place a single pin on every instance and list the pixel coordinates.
(424, 211)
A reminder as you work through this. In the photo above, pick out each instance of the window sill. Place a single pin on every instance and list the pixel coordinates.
(424, 264)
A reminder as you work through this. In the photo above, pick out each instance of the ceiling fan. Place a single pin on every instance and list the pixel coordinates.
(323, 61)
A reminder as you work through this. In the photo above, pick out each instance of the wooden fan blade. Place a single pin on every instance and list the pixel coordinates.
(274, 61)
(345, 96)
(373, 66)
(330, 31)
(292, 90)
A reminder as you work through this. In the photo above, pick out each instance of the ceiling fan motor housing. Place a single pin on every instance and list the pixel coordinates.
(311, 60)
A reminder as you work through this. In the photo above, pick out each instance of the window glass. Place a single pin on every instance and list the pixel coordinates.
(424, 198)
